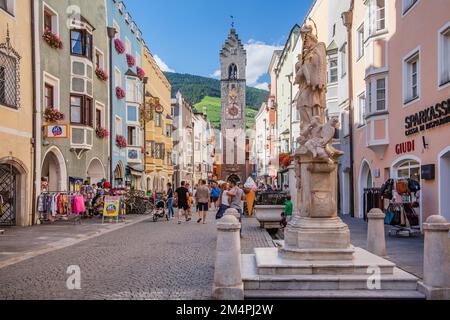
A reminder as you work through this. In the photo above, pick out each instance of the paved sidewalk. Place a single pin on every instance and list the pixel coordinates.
(18, 244)
(254, 236)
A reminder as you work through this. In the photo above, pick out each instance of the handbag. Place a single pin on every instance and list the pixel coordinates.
(389, 217)
(402, 187)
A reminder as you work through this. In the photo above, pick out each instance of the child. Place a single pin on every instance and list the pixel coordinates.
(288, 208)
(283, 221)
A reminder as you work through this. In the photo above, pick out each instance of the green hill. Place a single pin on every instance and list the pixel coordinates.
(214, 111)
(195, 88)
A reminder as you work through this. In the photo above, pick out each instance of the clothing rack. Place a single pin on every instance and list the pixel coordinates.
(45, 211)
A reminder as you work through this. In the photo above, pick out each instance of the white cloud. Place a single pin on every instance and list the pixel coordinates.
(162, 65)
(259, 55)
(262, 86)
(216, 74)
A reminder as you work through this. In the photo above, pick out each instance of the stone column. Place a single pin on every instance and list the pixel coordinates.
(436, 260)
(376, 240)
(228, 283)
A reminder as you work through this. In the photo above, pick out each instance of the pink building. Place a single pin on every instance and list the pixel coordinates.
(402, 99)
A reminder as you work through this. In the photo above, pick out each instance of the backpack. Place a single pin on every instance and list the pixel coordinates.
(413, 185)
(386, 189)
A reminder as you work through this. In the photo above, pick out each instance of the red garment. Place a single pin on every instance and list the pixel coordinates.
(78, 205)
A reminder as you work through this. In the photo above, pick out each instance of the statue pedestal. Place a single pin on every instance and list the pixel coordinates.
(317, 233)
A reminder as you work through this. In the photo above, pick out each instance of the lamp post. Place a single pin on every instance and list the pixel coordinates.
(111, 35)
(347, 20)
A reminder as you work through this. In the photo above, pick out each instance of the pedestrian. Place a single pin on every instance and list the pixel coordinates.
(181, 197)
(288, 208)
(202, 199)
(215, 194)
(190, 202)
(224, 200)
(170, 196)
(236, 195)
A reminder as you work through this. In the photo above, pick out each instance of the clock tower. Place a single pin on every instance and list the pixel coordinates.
(233, 61)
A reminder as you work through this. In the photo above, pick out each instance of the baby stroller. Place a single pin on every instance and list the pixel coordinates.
(160, 211)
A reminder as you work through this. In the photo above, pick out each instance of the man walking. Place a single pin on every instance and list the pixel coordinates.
(202, 199)
(181, 197)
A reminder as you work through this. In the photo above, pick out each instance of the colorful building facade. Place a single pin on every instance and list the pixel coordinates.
(16, 115)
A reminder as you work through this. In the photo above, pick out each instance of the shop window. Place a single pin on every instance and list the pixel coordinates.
(408, 169)
(411, 75)
(444, 56)
(81, 110)
(81, 43)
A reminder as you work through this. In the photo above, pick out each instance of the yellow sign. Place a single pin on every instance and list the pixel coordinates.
(112, 207)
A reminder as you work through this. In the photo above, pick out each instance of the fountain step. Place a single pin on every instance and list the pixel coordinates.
(270, 262)
(397, 284)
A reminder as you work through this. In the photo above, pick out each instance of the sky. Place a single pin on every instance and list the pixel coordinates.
(185, 36)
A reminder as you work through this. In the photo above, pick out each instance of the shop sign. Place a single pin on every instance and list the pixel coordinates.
(428, 119)
(112, 207)
(405, 147)
(57, 131)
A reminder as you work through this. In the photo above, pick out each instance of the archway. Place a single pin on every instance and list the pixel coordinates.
(444, 183)
(365, 182)
(118, 174)
(14, 191)
(96, 171)
(234, 177)
(54, 171)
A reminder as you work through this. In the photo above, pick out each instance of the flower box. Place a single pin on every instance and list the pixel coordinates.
(53, 115)
(130, 61)
(120, 47)
(140, 72)
(121, 142)
(52, 39)
(101, 74)
(120, 93)
(102, 133)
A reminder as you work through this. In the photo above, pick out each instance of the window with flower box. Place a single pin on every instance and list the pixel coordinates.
(50, 21)
(81, 43)
(81, 110)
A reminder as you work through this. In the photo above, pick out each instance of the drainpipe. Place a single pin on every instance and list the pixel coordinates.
(111, 34)
(35, 106)
(347, 18)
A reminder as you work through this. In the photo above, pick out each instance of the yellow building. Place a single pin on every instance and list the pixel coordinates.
(159, 169)
(16, 114)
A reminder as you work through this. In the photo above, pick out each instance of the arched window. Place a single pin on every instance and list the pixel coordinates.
(408, 169)
(232, 72)
(9, 75)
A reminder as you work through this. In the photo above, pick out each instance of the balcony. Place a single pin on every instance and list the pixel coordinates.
(134, 155)
(377, 132)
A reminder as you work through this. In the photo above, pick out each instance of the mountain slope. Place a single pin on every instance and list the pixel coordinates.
(195, 88)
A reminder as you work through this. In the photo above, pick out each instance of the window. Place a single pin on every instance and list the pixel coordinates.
(411, 78)
(333, 70)
(138, 60)
(408, 4)
(345, 123)
(361, 41)
(232, 72)
(99, 59)
(158, 120)
(381, 94)
(117, 78)
(376, 16)
(50, 19)
(118, 123)
(132, 114)
(49, 96)
(344, 60)
(81, 110)
(444, 56)
(9, 78)
(116, 26)
(81, 43)
(127, 46)
(132, 136)
(8, 6)
(334, 29)
(380, 15)
(409, 169)
(362, 109)
(99, 114)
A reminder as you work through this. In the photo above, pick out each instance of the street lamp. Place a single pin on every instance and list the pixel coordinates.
(111, 35)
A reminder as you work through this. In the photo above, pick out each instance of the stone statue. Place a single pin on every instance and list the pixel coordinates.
(311, 76)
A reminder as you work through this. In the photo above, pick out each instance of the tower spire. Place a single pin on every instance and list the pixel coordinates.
(232, 22)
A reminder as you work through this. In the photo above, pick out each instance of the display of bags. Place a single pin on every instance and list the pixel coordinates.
(402, 187)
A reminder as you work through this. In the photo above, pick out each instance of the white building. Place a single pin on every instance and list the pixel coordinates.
(201, 157)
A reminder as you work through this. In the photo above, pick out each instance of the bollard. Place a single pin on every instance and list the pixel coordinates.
(376, 239)
(228, 283)
(436, 259)
(232, 212)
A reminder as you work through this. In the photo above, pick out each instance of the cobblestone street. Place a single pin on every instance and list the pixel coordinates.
(143, 261)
